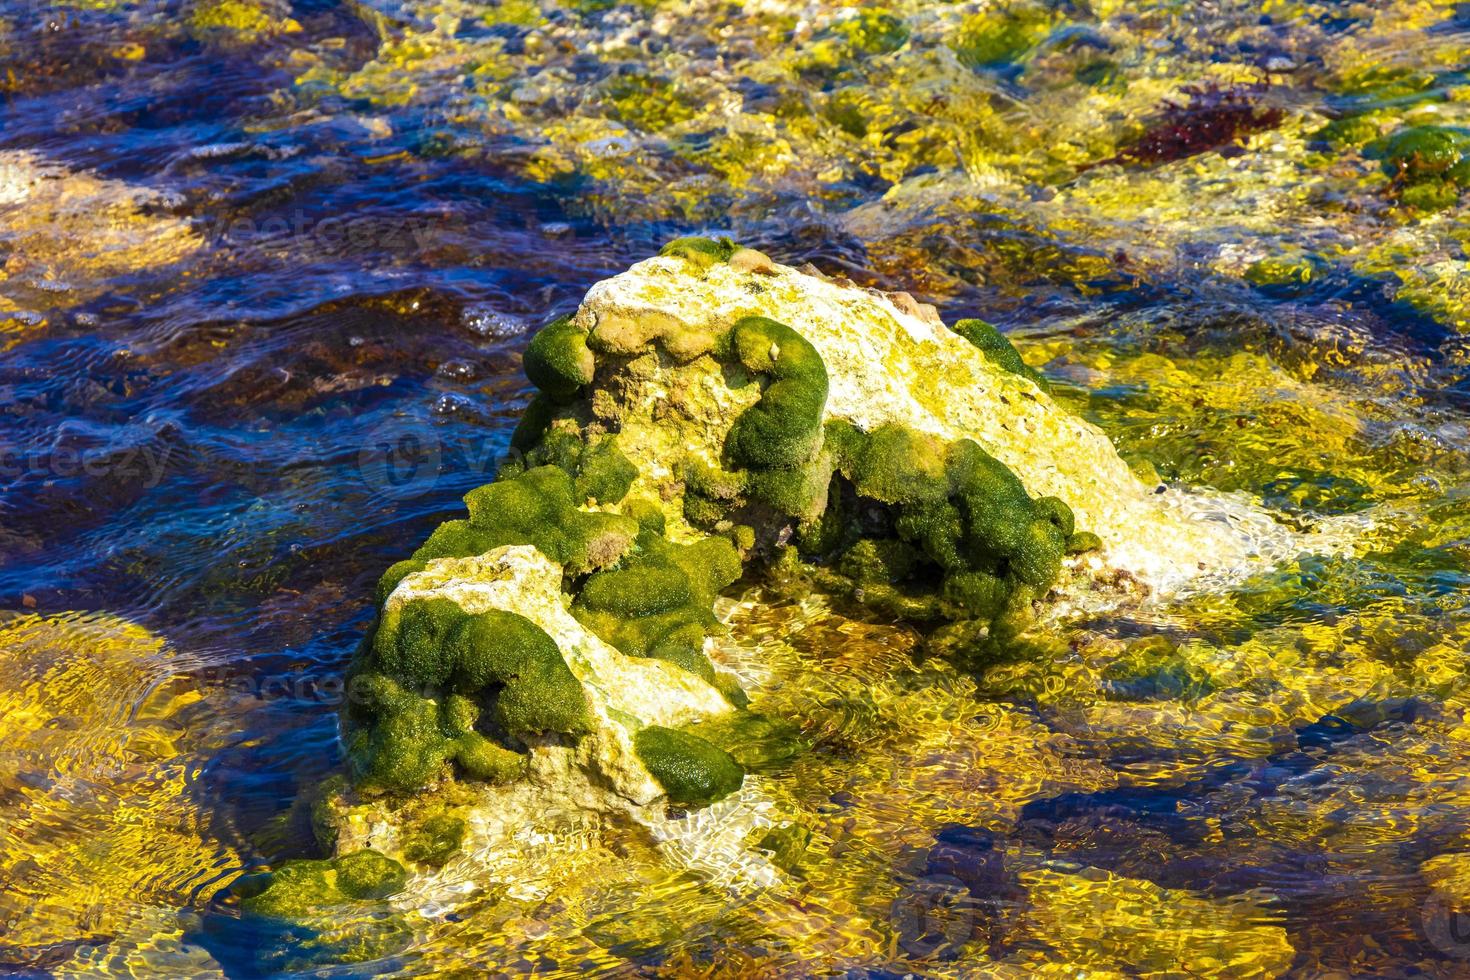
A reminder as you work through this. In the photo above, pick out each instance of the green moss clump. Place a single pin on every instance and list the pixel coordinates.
(648, 514)
(1430, 165)
(659, 603)
(955, 516)
(879, 561)
(895, 464)
(439, 685)
(299, 888)
(710, 493)
(784, 428)
(539, 507)
(1421, 152)
(702, 252)
(558, 360)
(599, 470)
(1083, 542)
(997, 349)
(692, 771)
(535, 420)
(435, 840)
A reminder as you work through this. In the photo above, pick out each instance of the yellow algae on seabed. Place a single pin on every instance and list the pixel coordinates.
(101, 842)
(65, 233)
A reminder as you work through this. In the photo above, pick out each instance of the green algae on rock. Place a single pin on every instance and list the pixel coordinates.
(691, 770)
(300, 887)
(706, 417)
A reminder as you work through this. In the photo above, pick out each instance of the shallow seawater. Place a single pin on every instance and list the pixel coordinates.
(268, 267)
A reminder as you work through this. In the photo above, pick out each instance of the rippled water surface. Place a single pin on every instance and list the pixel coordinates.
(268, 266)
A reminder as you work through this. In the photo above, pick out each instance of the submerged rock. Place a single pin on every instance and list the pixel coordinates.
(70, 230)
(708, 415)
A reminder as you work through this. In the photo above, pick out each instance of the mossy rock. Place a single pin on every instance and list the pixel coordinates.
(691, 771)
(440, 686)
(299, 888)
(659, 603)
(435, 840)
(1420, 153)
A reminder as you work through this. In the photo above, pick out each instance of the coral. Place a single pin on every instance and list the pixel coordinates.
(692, 771)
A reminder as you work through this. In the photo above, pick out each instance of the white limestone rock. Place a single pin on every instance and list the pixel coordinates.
(891, 360)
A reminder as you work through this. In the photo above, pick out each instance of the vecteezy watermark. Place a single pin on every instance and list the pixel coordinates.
(377, 232)
(401, 458)
(143, 465)
(934, 916)
(1446, 926)
(404, 458)
(326, 687)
